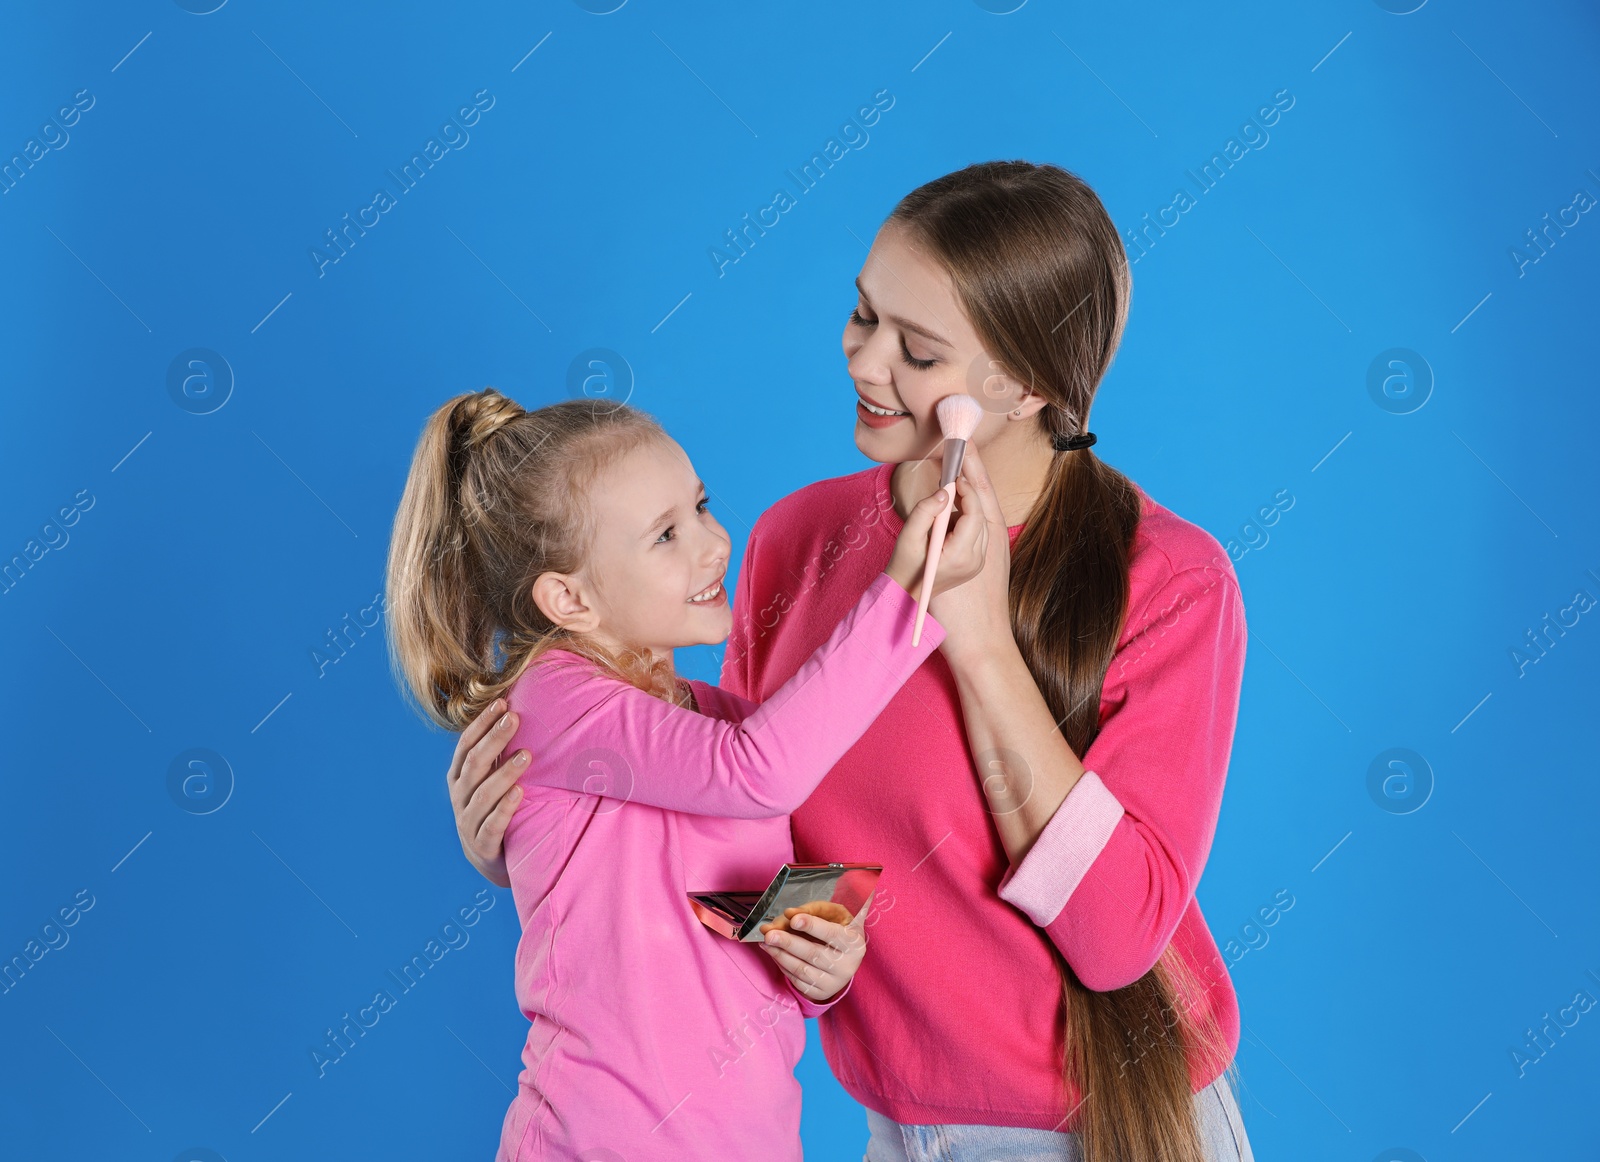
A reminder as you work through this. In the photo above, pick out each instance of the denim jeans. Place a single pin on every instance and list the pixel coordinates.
(1221, 1130)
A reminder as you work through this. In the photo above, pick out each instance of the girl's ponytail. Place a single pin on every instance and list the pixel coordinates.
(495, 497)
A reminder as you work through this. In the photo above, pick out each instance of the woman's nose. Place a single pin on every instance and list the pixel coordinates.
(865, 364)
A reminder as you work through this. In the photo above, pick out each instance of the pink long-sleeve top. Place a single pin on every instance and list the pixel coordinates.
(954, 1015)
(652, 1037)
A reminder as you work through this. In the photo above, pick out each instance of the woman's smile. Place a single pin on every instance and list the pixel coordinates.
(875, 415)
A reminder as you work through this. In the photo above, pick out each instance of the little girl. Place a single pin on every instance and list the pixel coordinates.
(559, 557)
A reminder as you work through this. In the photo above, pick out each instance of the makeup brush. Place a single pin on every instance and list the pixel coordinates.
(959, 416)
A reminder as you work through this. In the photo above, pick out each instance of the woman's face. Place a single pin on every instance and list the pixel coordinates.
(910, 344)
(653, 576)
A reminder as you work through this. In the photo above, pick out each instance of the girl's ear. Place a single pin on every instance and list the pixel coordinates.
(561, 598)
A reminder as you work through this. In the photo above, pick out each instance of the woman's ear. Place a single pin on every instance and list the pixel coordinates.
(1028, 402)
(1028, 405)
(563, 599)
(1000, 392)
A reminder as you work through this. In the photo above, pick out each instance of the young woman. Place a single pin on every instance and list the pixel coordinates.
(1043, 792)
(560, 556)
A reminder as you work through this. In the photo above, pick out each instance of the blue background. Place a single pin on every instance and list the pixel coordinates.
(1435, 920)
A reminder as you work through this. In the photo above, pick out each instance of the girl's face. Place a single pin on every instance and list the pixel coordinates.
(910, 344)
(654, 573)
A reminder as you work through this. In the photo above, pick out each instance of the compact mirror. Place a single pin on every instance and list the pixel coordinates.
(834, 891)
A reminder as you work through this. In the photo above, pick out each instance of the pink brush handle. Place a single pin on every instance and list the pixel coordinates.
(935, 548)
(953, 452)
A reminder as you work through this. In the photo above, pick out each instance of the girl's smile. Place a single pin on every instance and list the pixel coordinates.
(713, 594)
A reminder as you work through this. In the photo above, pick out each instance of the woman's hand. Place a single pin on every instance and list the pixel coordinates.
(964, 550)
(977, 616)
(818, 955)
(484, 795)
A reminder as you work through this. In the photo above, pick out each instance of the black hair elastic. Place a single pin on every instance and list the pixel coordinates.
(1073, 443)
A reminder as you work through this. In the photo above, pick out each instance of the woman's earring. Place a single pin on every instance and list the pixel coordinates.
(1018, 413)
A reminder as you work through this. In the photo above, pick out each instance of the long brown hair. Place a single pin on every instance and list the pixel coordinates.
(1041, 272)
(495, 497)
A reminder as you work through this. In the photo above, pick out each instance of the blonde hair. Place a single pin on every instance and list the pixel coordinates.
(496, 496)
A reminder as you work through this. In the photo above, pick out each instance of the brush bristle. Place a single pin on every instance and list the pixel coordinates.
(959, 416)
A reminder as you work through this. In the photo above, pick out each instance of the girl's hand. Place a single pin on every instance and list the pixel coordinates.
(483, 795)
(977, 617)
(965, 545)
(818, 955)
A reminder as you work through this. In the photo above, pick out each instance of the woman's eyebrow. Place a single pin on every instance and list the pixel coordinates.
(906, 324)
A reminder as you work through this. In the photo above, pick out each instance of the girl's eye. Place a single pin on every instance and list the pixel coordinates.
(859, 319)
(666, 533)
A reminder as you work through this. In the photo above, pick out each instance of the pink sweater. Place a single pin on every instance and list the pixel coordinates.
(653, 1037)
(954, 1015)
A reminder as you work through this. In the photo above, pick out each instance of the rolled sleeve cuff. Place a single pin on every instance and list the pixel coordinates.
(811, 1008)
(1055, 865)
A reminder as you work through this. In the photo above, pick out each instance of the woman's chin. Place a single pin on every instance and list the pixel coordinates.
(892, 450)
(874, 446)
